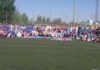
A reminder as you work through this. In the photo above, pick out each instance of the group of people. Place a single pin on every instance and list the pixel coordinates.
(80, 32)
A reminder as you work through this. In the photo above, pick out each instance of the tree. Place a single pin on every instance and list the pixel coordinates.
(57, 21)
(24, 18)
(7, 9)
(43, 20)
(20, 18)
(31, 21)
(17, 17)
(39, 20)
(48, 20)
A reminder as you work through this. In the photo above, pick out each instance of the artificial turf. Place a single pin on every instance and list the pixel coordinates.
(34, 54)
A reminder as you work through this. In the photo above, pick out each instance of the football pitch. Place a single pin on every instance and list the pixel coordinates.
(30, 54)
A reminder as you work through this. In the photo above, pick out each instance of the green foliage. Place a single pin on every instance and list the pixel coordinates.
(43, 20)
(7, 9)
(20, 18)
(57, 21)
(31, 21)
(24, 18)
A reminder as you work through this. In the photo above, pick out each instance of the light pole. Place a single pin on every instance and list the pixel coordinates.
(97, 11)
(74, 9)
(77, 18)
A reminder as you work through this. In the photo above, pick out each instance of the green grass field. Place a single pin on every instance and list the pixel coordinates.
(29, 54)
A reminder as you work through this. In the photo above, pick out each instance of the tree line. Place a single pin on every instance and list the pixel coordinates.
(9, 14)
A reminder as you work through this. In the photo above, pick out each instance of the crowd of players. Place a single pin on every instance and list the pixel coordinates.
(85, 33)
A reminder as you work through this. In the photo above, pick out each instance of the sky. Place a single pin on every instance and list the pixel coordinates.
(85, 9)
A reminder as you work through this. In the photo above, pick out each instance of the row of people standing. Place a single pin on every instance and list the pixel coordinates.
(85, 33)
